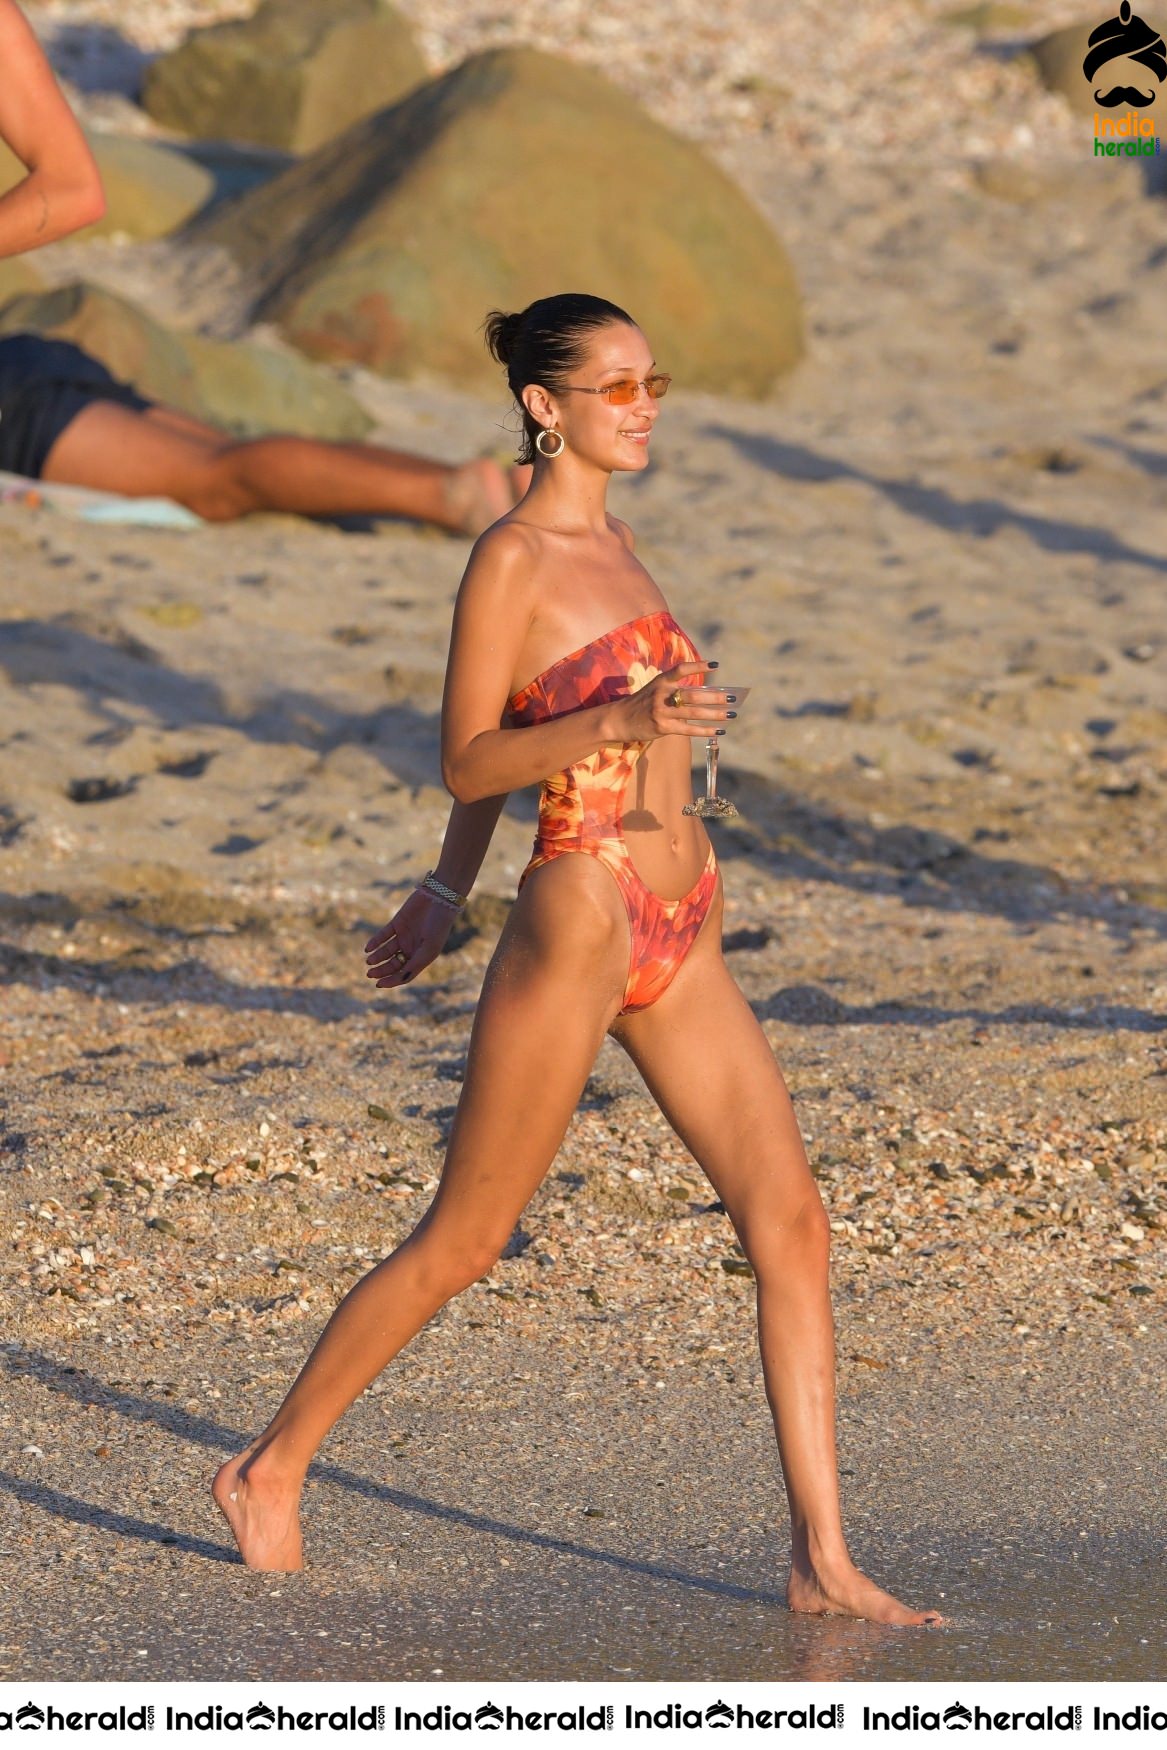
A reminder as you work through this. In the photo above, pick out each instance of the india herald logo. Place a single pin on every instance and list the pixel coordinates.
(1127, 38)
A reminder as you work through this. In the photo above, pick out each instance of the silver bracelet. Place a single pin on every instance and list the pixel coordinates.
(440, 891)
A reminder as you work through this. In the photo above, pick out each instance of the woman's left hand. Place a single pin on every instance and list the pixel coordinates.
(414, 936)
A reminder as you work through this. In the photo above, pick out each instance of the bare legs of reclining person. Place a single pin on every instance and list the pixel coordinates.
(159, 453)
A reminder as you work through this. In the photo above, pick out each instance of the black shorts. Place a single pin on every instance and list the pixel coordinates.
(44, 384)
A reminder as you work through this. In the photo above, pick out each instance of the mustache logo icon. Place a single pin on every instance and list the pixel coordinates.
(1123, 94)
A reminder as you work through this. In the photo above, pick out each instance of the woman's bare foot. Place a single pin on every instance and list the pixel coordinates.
(844, 1591)
(479, 492)
(263, 1513)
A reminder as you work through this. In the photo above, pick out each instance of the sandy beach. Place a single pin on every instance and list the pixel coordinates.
(938, 555)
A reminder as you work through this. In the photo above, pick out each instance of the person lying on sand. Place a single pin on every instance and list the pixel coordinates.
(62, 191)
(65, 418)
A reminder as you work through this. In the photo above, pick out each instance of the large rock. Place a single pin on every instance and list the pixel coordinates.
(237, 166)
(294, 75)
(514, 176)
(243, 388)
(251, 389)
(131, 344)
(149, 189)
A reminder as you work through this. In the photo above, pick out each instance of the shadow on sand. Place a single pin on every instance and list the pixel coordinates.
(781, 832)
(83, 1388)
(931, 504)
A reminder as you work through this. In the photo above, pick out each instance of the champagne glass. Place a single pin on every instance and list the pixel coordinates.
(711, 805)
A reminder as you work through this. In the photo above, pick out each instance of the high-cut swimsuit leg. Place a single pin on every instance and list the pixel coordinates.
(581, 808)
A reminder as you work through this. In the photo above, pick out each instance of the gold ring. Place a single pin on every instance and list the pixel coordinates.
(676, 697)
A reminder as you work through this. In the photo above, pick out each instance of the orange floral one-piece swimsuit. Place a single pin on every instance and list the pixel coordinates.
(582, 807)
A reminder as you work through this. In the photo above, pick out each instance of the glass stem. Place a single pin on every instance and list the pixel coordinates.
(711, 747)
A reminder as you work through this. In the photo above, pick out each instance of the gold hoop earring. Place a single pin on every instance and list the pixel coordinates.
(548, 432)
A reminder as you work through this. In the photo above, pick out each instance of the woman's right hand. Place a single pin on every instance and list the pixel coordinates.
(644, 715)
(414, 936)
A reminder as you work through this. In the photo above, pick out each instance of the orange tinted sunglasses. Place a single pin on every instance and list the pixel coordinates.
(623, 393)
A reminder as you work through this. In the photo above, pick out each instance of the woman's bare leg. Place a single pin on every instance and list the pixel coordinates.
(710, 1068)
(557, 976)
(159, 452)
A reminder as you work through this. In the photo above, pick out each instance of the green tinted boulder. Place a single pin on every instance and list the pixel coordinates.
(511, 177)
(292, 76)
(249, 390)
(150, 190)
(243, 388)
(128, 342)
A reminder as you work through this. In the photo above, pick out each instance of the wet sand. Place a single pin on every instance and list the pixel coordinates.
(506, 1513)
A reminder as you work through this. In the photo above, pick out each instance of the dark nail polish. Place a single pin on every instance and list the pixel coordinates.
(714, 665)
(731, 713)
(721, 732)
(731, 698)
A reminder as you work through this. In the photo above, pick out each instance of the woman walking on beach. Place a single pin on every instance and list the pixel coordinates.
(616, 929)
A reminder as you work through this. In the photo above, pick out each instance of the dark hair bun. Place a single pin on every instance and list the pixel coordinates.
(502, 334)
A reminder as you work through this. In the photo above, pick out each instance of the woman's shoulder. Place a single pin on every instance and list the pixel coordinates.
(511, 536)
(501, 572)
(512, 548)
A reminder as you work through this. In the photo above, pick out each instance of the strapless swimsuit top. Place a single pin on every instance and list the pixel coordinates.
(582, 807)
(611, 666)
